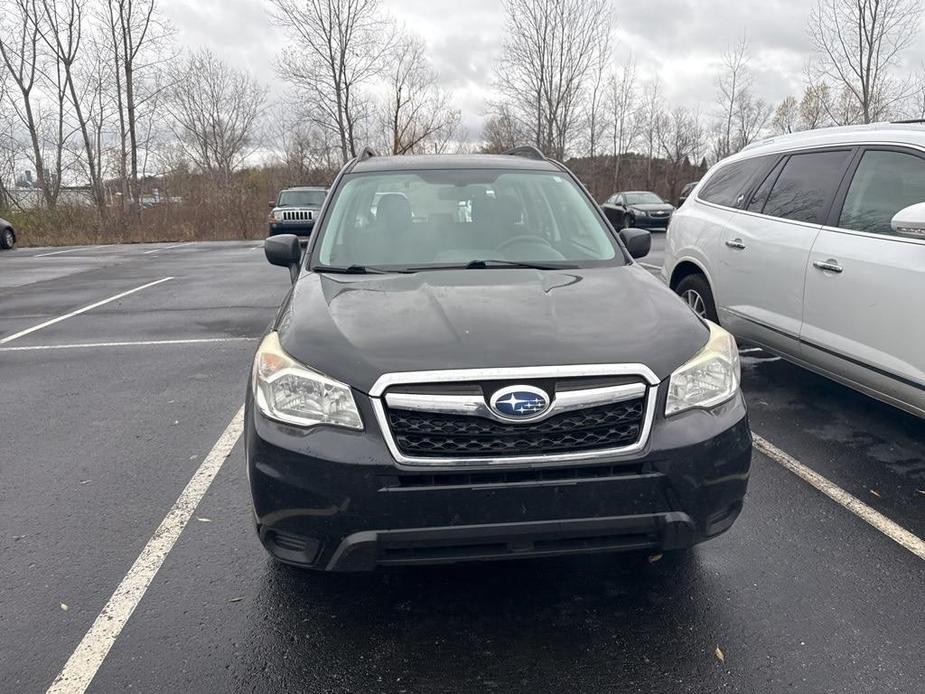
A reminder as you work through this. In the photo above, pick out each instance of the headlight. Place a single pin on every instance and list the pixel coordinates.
(710, 377)
(292, 393)
(277, 215)
(639, 213)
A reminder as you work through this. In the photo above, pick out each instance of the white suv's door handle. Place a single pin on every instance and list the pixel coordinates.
(830, 265)
(736, 243)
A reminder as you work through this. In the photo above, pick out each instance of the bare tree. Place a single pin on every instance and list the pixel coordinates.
(651, 117)
(597, 95)
(733, 81)
(546, 63)
(623, 121)
(859, 43)
(19, 50)
(786, 116)
(415, 112)
(215, 109)
(813, 106)
(136, 34)
(502, 130)
(751, 116)
(61, 28)
(680, 138)
(339, 46)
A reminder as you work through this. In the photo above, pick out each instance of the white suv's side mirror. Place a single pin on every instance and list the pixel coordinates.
(910, 221)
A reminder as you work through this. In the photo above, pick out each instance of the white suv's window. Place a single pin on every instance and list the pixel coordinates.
(885, 182)
(728, 185)
(804, 189)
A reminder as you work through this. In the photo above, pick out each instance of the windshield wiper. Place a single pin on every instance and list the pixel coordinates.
(357, 270)
(483, 264)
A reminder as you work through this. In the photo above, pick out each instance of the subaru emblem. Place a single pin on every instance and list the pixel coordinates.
(519, 402)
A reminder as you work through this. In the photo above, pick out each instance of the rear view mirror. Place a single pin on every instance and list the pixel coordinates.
(284, 250)
(910, 221)
(637, 241)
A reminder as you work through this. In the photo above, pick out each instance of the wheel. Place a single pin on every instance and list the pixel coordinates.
(7, 239)
(695, 290)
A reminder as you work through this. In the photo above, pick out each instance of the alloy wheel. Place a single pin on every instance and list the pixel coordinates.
(695, 301)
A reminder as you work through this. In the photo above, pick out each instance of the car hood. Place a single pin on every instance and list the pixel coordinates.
(653, 207)
(357, 328)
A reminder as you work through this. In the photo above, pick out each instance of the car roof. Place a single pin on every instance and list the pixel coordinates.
(414, 162)
(878, 133)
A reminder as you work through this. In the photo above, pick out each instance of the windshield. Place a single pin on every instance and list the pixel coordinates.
(301, 198)
(412, 220)
(643, 199)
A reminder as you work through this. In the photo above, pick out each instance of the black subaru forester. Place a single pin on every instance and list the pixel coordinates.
(470, 366)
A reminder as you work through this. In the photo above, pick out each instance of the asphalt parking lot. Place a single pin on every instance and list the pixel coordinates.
(106, 414)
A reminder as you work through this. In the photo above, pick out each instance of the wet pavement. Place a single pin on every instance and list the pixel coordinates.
(98, 442)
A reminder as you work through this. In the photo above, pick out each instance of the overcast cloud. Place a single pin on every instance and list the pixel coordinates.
(678, 40)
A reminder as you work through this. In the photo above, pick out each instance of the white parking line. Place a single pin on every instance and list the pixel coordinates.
(132, 343)
(85, 661)
(27, 331)
(166, 248)
(892, 530)
(71, 250)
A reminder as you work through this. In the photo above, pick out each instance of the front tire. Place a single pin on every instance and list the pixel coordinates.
(7, 239)
(696, 292)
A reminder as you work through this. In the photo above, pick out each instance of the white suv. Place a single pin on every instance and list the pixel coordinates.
(812, 246)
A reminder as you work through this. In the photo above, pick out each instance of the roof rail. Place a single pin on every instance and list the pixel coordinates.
(367, 153)
(910, 121)
(528, 151)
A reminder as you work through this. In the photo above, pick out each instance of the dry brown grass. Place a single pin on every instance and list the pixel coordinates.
(202, 210)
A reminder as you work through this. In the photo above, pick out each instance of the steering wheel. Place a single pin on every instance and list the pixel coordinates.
(531, 240)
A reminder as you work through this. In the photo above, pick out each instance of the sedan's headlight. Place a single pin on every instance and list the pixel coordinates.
(292, 393)
(639, 213)
(709, 378)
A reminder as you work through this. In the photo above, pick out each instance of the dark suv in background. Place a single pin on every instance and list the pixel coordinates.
(470, 366)
(295, 210)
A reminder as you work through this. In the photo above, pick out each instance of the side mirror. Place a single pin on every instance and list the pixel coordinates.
(910, 221)
(284, 250)
(272, 204)
(637, 241)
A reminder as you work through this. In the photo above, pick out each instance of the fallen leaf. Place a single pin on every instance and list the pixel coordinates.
(64, 607)
(921, 491)
(17, 538)
(654, 558)
(85, 481)
(202, 519)
(720, 656)
(875, 493)
(235, 599)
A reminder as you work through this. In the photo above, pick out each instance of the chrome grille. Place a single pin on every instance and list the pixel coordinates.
(444, 435)
(298, 215)
(443, 418)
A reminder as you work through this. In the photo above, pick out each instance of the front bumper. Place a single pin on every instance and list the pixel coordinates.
(302, 228)
(649, 222)
(334, 499)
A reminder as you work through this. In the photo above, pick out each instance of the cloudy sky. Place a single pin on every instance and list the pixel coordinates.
(678, 40)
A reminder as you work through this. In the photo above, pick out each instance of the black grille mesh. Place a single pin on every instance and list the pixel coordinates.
(435, 435)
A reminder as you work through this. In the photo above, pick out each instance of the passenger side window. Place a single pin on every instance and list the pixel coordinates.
(727, 186)
(805, 186)
(884, 183)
